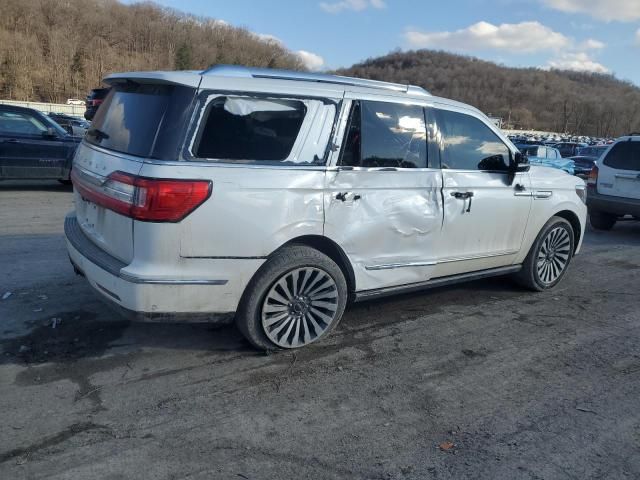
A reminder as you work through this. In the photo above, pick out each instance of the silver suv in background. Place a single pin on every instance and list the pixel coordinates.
(614, 184)
(276, 197)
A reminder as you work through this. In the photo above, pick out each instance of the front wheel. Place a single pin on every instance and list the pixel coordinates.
(549, 257)
(296, 298)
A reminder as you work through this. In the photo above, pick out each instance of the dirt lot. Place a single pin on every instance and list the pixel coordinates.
(478, 381)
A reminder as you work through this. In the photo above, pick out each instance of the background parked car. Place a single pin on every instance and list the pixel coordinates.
(94, 99)
(586, 159)
(73, 125)
(569, 149)
(614, 184)
(547, 157)
(75, 101)
(32, 145)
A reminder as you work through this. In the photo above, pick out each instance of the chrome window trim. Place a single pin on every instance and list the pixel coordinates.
(113, 153)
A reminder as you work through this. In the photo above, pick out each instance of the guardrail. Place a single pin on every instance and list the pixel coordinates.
(75, 110)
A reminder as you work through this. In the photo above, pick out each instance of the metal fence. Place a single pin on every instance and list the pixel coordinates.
(75, 110)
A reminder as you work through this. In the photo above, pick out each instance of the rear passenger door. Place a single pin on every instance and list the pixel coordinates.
(485, 214)
(382, 200)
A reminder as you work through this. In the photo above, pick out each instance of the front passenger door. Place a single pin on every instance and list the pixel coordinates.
(485, 214)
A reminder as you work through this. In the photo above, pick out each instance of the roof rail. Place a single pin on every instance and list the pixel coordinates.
(250, 72)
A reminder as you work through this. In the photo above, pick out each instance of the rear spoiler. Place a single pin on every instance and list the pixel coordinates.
(184, 78)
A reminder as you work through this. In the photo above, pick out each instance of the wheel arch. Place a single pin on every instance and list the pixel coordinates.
(573, 219)
(332, 250)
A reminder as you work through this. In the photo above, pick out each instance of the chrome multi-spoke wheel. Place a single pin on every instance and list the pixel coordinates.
(299, 307)
(554, 255)
(549, 256)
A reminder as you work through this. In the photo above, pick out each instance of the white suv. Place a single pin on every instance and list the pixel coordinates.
(276, 197)
(614, 184)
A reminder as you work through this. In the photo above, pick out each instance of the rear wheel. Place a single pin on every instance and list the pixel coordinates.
(601, 220)
(549, 257)
(296, 298)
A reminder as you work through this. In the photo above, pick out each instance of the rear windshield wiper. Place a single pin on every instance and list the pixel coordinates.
(99, 134)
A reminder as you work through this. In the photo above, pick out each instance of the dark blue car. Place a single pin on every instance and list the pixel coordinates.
(32, 146)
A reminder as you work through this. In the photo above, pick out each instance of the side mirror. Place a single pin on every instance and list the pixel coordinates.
(520, 163)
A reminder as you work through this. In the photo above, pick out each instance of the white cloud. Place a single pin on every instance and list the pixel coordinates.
(578, 62)
(591, 44)
(607, 10)
(311, 60)
(521, 37)
(353, 5)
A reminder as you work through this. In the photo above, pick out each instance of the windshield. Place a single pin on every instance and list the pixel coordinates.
(142, 119)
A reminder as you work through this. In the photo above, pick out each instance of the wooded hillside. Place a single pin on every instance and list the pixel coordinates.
(51, 50)
(581, 103)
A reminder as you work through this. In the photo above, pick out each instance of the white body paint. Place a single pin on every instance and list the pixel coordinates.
(395, 227)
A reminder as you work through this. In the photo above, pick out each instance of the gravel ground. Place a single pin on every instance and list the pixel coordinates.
(483, 380)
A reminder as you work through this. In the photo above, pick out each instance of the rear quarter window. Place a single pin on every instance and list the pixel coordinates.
(263, 130)
(624, 155)
(238, 128)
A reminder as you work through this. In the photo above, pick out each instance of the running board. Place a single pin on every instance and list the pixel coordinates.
(436, 282)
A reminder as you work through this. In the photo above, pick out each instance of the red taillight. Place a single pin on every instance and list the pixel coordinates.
(145, 199)
(94, 103)
(593, 176)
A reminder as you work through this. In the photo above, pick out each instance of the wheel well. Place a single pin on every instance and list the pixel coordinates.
(572, 218)
(332, 250)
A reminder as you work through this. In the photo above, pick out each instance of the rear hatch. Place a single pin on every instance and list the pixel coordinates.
(619, 170)
(137, 121)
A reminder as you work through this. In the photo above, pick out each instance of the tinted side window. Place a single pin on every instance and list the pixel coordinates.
(239, 128)
(20, 123)
(382, 134)
(624, 155)
(468, 144)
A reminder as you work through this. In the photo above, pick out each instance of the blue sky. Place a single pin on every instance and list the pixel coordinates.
(593, 35)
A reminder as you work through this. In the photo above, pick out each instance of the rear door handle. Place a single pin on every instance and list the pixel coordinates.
(10, 140)
(344, 196)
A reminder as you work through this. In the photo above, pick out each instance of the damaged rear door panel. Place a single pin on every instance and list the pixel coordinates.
(383, 203)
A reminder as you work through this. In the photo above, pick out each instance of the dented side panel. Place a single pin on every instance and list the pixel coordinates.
(387, 222)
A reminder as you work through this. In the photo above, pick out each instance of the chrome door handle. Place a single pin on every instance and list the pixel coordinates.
(464, 196)
(344, 196)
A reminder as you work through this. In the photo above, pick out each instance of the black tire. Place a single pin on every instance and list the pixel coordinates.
(530, 276)
(65, 182)
(601, 220)
(291, 260)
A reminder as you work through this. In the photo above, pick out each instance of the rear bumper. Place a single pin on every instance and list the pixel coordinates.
(159, 297)
(611, 204)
